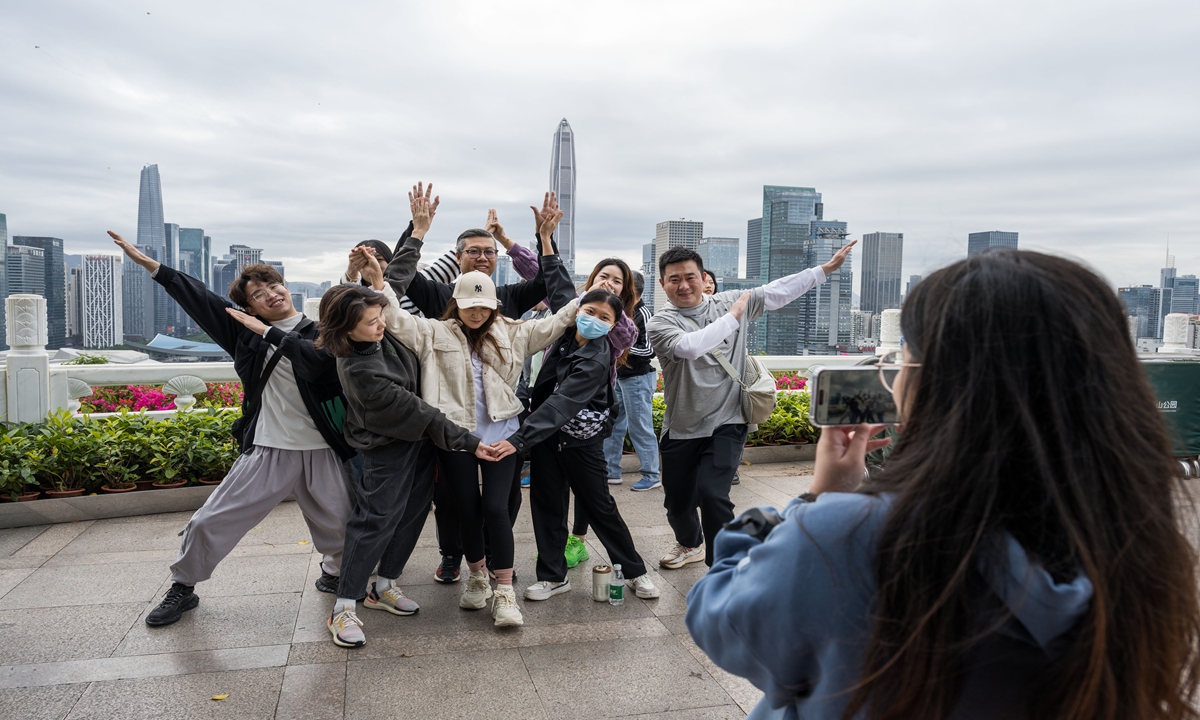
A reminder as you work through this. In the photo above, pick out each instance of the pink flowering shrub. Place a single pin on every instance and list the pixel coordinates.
(785, 381)
(145, 397)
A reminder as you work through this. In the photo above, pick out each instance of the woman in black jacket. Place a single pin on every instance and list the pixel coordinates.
(386, 419)
(572, 410)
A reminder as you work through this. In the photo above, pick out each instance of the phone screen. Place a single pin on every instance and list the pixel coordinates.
(852, 395)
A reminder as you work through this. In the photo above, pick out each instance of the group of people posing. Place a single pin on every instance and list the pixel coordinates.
(417, 390)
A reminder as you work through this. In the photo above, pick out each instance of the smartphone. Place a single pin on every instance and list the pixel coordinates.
(851, 395)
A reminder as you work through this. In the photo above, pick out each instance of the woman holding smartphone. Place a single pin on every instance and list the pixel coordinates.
(1020, 554)
(571, 413)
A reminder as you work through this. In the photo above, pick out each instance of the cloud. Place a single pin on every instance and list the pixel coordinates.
(298, 126)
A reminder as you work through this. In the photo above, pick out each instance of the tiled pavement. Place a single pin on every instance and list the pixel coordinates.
(72, 599)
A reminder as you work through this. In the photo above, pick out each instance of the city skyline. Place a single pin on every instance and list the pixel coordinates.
(1043, 141)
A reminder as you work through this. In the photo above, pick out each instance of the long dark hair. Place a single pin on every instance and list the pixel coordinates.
(480, 339)
(1030, 414)
(628, 294)
(342, 307)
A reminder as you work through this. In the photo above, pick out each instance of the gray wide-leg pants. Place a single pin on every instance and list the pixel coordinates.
(257, 482)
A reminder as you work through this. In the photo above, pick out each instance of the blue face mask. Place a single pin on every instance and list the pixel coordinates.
(591, 327)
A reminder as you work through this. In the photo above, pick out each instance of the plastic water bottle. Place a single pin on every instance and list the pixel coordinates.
(616, 587)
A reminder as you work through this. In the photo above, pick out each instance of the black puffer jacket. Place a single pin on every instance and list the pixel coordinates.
(573, 378)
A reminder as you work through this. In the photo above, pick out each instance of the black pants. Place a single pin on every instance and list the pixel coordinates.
(391, 502)
(446, 515)
(696, 475)
(462, 471)
(554, 475)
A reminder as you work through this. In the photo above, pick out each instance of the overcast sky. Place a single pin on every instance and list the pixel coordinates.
(297, 126)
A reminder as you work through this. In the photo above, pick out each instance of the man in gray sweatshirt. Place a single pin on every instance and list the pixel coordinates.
(704, 428)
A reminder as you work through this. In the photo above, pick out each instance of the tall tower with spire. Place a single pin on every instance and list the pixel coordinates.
(562, 183)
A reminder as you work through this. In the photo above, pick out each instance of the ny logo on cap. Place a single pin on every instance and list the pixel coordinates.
(478, 288)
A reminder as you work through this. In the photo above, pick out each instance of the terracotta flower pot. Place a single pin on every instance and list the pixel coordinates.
(114, 491)
(23, 497)
(211, 481)
(168, 486)
(145, 484)
(64, 493)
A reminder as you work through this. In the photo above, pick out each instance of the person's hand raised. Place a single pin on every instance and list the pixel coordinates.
(546, 219)
(423, 209)
(368, 265)
(838, 259)
(494, 227)
(133, 253)
(253, 324)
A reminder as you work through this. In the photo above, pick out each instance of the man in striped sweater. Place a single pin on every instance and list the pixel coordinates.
(635, 393)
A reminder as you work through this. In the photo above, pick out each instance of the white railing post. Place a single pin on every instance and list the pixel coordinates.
(889, 332)
(1175, 334)
(312, 309)
(27, 380)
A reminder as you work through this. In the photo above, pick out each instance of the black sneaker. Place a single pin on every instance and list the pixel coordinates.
(737, 479)
(327, 583)
(178, 599)
(448, 571)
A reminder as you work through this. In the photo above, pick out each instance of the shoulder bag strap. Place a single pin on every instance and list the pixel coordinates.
(718, 355)
(265, 375)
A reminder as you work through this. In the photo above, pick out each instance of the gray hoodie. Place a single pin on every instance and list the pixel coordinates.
(793, 613)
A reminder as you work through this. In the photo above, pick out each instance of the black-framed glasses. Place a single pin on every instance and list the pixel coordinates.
(474, 253)
(889, 368)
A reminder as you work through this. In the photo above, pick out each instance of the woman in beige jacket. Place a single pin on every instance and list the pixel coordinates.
(471, 360)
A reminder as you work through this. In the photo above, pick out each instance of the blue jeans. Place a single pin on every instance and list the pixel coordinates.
(634, 396)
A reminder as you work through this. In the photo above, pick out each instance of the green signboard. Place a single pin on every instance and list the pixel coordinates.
(1176, 385)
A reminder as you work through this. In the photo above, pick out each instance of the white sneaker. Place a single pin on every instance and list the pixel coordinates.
(643, 587)
(504, 607)
(680, 556)
(346, 629)
(478, 591)
(544, 590)
(614, 481)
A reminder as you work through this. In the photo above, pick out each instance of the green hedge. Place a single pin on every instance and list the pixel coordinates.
(788, 424)
(69, 453)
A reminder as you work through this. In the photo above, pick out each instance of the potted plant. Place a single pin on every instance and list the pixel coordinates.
(167, 459)
(68, 457)
(18, 476)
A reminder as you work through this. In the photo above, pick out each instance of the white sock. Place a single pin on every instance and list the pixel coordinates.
(382, 584)
(344, 604)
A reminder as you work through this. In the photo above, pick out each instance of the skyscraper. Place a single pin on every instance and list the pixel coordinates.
(562, 183)
(676, 233)
(754, 248)
(912, 282)
(981, 241)
(721, 255)
(882, 255)
(26, 270)
(137, 299)
(103, 325)
(151, 233)
(649, 275)
(244, 255)
(1144, 303)
(1184, 295)
(55, 284)
(796, 236)
(504, 273)
(75, 303)
(3, 279)
(195, 247)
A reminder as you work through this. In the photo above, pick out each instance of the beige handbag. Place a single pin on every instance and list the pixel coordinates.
(757, 383)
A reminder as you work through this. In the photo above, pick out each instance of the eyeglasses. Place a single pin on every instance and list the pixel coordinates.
(261, 295)
(474, 253)
(889, 368)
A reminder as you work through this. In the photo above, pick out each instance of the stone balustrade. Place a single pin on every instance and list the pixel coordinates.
(32, 388)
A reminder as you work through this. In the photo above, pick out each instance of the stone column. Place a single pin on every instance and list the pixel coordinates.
(312, 309)
(1175, 335)
(889, 332)
(27, 378)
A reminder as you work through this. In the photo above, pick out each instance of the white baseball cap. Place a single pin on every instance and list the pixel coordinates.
(475, 289)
